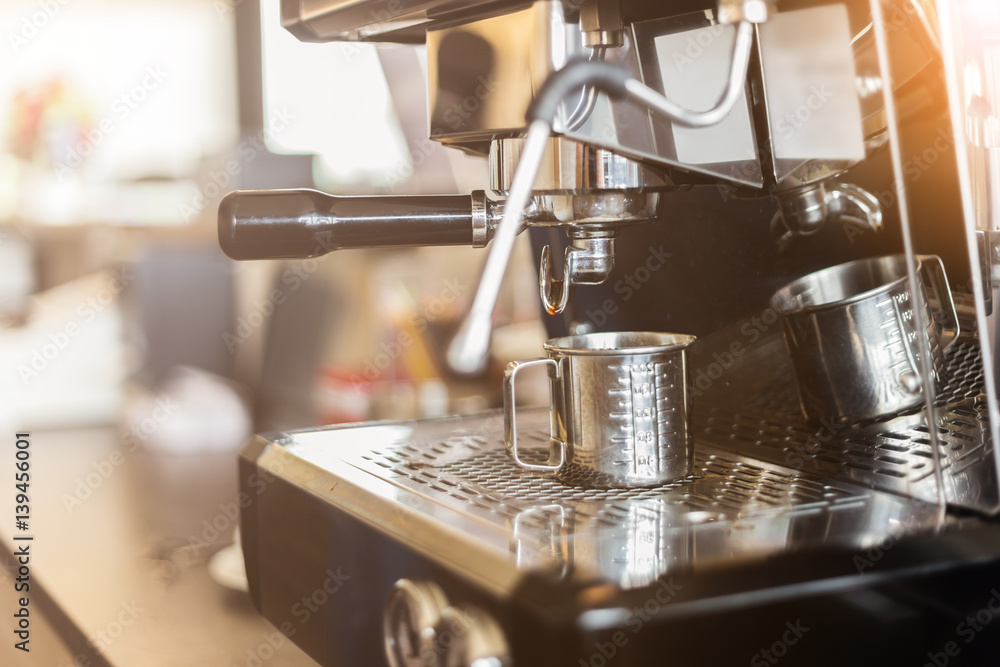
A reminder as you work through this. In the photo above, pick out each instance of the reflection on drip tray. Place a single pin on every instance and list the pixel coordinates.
(727, 509)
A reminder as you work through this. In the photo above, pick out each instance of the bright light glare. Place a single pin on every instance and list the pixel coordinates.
(339, 100)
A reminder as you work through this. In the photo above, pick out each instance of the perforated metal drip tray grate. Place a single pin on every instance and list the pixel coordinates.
(755, 412)
(457, 474)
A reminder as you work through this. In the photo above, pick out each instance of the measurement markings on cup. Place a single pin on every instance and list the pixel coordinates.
(635, 438)
(666, 408)
(898, 311)
(626, 439)
(895, 317)
(645, 425)
(641, 377)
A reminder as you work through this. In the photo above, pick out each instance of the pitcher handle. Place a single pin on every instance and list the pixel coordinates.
(510, 413)
(938, 281)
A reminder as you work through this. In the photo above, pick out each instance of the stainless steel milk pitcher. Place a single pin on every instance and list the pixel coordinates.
(619, 407)
(852, 334)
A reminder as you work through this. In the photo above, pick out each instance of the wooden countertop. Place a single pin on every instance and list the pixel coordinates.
(117, 561)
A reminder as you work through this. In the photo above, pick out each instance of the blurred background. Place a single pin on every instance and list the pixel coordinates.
(124, 123)
(139, 357)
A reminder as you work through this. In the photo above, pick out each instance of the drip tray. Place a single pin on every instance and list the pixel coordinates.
(450, 482)
(893, 454)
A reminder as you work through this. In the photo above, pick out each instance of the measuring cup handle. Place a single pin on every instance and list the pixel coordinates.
(510, 413)
(938, 281)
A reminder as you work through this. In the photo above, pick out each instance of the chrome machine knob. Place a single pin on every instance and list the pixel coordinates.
(412, 614)
(421, 630)
(471, 637)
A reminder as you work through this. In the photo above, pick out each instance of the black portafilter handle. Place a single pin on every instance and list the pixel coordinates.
(296, 224)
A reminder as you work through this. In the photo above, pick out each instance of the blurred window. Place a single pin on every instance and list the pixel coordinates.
(338, 98)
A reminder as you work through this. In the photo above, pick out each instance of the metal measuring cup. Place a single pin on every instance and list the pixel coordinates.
(852, 335)
(619, 409)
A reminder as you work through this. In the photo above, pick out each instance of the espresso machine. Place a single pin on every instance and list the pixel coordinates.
(676, 165)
